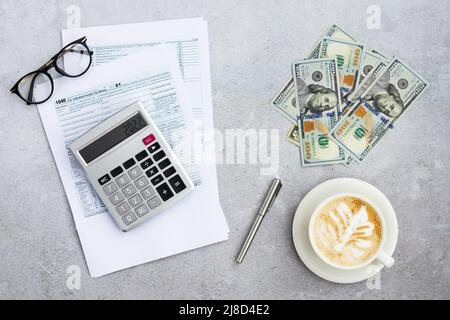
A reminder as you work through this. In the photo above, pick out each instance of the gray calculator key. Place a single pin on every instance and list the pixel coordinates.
(129, 218)
(122, 181)
(154, 202)
(142, 210)
(123, 208)
(141, 182)
(147, 193)
(110, 188)
(135, 172)
(129, 190)
(116, 198)
(135, 200)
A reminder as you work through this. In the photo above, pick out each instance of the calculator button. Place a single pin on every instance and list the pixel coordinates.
(163, 164)
(142, 210)
(164, 191)
(116, 198)
(154, 147)
(129, 190)
(122, 181)
(129, 163)
(154, 202)
(148, 139)
(104, 179)
(141, 155)
(115, 172)
(159, 178)
(123, 208)
(141, 182)
(147, 163)
(147, 193)
(169, 172)
(129, 218)
(135, 200)
(135, 173)
(151, 172)
(158, 156)
(110, 188)
(177, 184)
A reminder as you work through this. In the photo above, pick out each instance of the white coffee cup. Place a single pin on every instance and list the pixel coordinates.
(379, 255)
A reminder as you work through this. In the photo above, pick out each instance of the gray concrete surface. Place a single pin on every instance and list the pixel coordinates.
(252, 44)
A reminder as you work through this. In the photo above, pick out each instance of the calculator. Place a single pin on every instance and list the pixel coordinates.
(131, 167)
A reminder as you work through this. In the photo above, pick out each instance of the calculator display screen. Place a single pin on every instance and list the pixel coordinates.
(113, 137)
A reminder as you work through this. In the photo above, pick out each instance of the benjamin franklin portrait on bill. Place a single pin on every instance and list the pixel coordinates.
(386, 97)
(315, 98)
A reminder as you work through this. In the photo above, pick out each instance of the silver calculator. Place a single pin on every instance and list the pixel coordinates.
(131, 166)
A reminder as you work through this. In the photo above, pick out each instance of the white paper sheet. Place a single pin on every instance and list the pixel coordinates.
(189, 37)
(195, 221)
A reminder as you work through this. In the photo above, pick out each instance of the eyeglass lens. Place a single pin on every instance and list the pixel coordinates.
(74, 60)
(28, 84)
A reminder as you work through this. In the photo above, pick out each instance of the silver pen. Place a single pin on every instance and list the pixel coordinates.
(265, 207)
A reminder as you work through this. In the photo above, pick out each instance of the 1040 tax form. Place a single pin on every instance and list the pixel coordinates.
(151, 75)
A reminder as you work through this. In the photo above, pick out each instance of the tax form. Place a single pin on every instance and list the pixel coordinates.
(189, 38)
(151, 75)
(81, 111)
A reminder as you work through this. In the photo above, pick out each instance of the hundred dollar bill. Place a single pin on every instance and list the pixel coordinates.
(318, 101)
(366, 83)
(333, 32)
(349, 57)
(377, 109)
(284, 102)
(371, 59)
(292, 135)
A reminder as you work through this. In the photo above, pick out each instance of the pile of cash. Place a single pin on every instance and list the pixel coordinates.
(343, 99)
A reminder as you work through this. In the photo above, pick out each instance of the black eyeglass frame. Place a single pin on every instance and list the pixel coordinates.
(47, 66)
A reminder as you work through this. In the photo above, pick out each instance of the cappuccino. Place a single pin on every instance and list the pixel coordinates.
(347, 231)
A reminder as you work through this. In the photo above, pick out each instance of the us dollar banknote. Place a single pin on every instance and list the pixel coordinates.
(377, 109)
(349, 56)
(334, 32)
(284, 102)
(363, 86)
(371, 59)
(318, 103)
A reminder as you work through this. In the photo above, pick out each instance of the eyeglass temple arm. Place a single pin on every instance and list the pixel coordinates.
(30, 93)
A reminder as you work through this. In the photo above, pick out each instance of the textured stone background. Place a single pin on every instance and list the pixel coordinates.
(252, 44)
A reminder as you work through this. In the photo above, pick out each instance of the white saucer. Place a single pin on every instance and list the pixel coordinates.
(301, 223)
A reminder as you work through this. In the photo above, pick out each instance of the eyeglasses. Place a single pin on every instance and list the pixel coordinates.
(80, 57)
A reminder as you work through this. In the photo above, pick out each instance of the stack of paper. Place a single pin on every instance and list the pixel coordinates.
(166, 66)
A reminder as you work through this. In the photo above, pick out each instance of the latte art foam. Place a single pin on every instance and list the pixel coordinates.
(347, 231)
